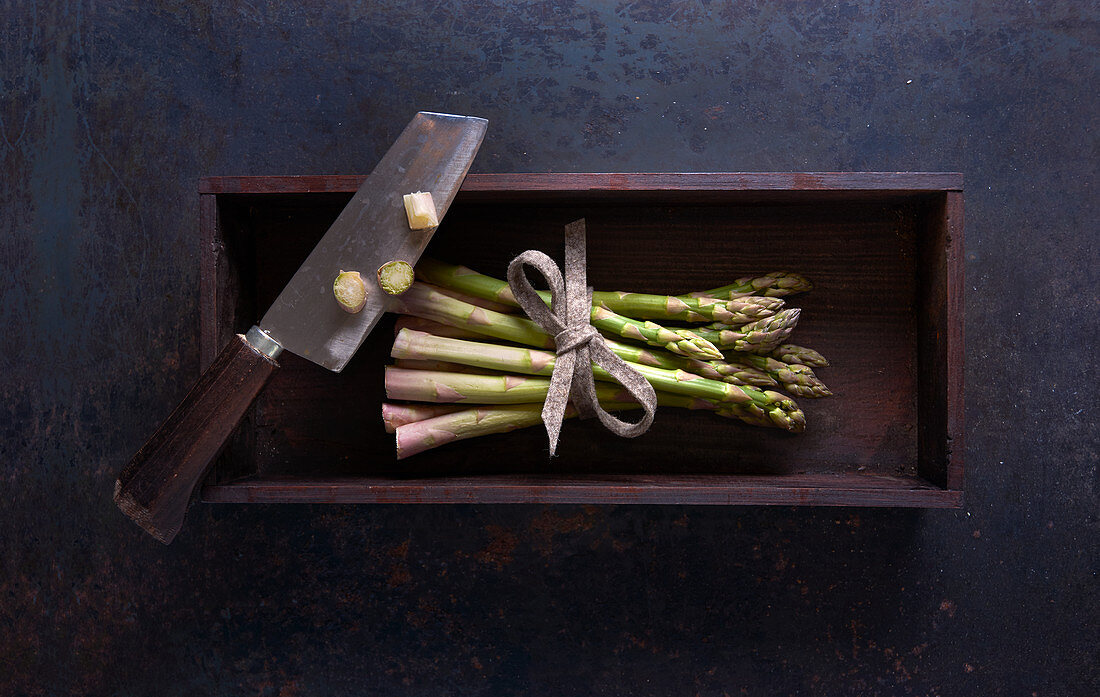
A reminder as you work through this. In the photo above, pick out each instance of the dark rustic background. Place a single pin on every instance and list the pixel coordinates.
(110, 112)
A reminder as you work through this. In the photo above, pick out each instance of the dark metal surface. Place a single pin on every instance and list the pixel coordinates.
(110, 112)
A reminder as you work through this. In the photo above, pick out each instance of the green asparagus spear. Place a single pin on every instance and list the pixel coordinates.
(422, 300)
(632, 353)
(394, 415)
(790, 353)
(635, 305)
(468, 388)
(712, 370)
(739, 374)
(438, 328)
(425, 301)
(422, 346)
(795, 378)
(442, 366)
(416, 437)
(774, 285)
(762, 336)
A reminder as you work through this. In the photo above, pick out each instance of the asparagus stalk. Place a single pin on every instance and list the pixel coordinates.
(762, 336)
(471, 422)
(809, 391)
(712, 370)
(442, 366)
(632, 353)
(416, 437)
(668, 307)
(425, 301)
(439, 387)
(790, 353)
(740, 374)
(795, 378)
(438, 328)
(636, 305)
(510, 389)
(776, 285)
(680, 341)
(735, 310)
(395, 415)
(480, 302)
(431, 433)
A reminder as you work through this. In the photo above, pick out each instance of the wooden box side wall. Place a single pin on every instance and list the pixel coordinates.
(224, 273)
(940, 342)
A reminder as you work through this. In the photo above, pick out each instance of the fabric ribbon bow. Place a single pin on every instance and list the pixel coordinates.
(577, 342)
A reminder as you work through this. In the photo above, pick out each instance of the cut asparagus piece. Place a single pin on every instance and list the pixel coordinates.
(420, 210)
(790, 353)
(421, 346)
(776, 285)
(634, 305)
(423, 300)
(395, 277)
(350, 291)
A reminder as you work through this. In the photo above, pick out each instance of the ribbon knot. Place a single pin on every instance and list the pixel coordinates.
(577, 342)
(574, 337)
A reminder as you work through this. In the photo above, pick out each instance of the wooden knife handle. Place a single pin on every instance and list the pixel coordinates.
(155, 487)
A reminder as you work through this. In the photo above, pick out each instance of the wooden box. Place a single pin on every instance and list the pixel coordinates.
(885, 251)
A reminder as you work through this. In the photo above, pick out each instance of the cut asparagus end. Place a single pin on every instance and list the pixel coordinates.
(395, 277)
(395, 415)
(420, 209)
(350, 291)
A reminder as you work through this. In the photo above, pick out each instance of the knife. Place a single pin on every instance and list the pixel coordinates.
(433, 153)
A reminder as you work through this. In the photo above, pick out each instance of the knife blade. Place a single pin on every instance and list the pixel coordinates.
(433, 153)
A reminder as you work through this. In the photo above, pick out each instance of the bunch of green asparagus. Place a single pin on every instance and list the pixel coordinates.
(469, 363)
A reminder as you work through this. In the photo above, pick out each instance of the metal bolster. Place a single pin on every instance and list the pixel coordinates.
(263, 343)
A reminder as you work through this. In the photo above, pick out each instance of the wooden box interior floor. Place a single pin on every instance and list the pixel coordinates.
(860, 254)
